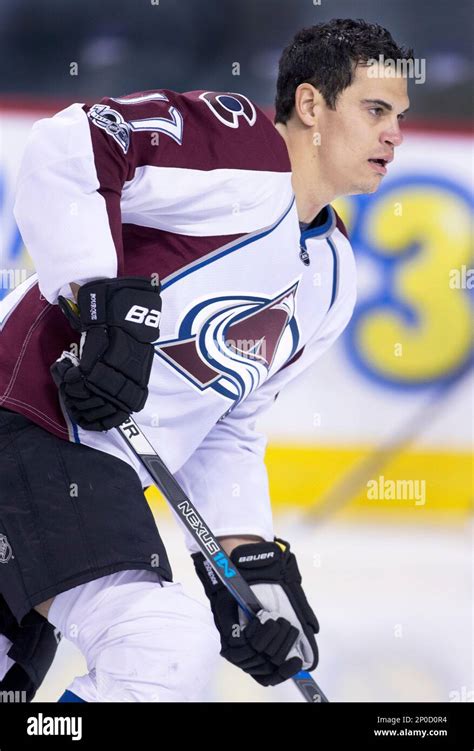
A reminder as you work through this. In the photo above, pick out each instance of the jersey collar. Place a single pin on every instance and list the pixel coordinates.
(326, 228)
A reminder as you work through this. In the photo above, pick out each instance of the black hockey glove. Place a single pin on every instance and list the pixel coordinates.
(33, 648)
(119, 320)
(280, 641)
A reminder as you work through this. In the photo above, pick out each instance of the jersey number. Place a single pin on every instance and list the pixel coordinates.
(172, 126)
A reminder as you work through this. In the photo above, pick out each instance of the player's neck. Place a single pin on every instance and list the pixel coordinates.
(311, 191)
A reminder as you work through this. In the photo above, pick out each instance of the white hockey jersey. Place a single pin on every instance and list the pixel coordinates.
(195, 188)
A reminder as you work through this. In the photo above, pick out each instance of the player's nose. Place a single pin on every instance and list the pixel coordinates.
(393, 137)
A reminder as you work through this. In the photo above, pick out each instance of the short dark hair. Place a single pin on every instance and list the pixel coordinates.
(326, 56)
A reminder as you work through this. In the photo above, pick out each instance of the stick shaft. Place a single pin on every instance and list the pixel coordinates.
(209, 545)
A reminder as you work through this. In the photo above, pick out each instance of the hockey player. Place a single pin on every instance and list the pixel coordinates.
(186, 249)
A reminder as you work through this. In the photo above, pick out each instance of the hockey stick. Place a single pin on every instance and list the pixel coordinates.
(210, 547)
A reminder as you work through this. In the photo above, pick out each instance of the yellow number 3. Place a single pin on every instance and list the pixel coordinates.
(417, 329)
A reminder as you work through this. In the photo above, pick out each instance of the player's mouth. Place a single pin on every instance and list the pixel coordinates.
(380, 164)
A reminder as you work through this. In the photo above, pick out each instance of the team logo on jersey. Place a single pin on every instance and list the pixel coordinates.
(229, 107)
(231, 343)
(5, 550)
(112, 122)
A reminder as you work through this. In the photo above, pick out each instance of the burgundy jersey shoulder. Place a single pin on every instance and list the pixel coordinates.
(340, 225)
(196, 130)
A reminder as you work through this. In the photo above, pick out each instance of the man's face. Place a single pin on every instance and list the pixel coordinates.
(362, 128)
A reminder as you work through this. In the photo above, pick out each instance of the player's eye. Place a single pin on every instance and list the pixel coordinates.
(402, 116)
(376, 109)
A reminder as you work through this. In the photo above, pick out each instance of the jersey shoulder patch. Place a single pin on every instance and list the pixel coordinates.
(230, 108)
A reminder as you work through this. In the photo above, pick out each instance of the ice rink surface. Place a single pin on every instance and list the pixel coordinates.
(394, 604)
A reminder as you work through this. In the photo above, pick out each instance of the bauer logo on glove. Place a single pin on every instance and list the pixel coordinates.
(118, 320)
(280, 641)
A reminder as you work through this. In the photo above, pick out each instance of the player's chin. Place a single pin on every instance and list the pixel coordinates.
(367, 187)
(373, 184)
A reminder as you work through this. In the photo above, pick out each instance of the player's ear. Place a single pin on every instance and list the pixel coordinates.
(307, 103)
